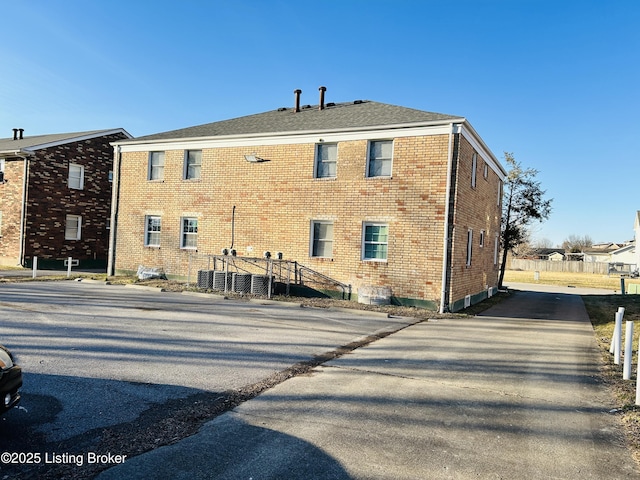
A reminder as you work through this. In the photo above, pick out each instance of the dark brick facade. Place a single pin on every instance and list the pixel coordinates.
(49, 200)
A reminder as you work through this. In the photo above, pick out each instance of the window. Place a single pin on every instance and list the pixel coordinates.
(0, 224)
(469, 246)
(322, 239)
(1, 170)
(380, 158)
(486, 170)
(76, 176)
(156, 166)
(326, 160)
(481, 238)
(496, 250)
(189, 233)
(375, 241)
(153, 226)
(111, 176)
(192, 164)
(474, 167)
(500, 187)
(72, 227)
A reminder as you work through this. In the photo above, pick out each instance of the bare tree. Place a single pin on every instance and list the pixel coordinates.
(523, 204)
(577, 244)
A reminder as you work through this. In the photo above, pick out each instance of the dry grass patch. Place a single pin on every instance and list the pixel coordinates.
(587, 280)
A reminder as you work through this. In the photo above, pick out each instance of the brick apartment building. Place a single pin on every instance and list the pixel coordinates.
(55, 197)
(369, 194)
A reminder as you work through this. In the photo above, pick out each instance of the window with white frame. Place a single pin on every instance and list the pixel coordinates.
(192, 164)
(73, 227)
(156, 166)
(153, 227)
(1, 169)
(375, 241)
(76, 176)
(321, 239)
(486, 170)
(469, 246)
(496, 249)
(474, 167)
(380, 158)
(189, 231)
(481, 243)
(326, 160)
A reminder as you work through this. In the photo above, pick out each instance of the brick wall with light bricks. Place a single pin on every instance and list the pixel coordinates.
(277, 200)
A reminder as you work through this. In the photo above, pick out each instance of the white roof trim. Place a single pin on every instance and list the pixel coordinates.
(100, 133)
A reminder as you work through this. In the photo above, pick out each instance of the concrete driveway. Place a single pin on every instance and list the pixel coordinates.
(511, 394)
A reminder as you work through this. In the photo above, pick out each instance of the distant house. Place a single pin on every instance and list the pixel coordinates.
(552, 254)
(369, 194)
(55, 197)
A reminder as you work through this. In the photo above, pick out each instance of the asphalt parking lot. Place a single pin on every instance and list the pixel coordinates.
(97, 355)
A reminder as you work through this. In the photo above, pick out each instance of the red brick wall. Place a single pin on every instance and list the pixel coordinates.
(50, 200)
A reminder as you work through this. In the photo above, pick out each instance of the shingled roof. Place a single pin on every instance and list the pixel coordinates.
(334, 116)
(35, 142)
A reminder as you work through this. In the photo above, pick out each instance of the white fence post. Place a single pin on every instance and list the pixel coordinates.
(69, 262)
(617, 334)
(638, 380)
(628, 351)
(620, 312)
(35, 267)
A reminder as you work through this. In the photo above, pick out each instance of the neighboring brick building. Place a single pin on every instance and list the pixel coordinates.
(358, 191)
(55, 197)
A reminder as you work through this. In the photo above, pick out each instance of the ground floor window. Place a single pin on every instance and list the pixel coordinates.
(73, 227)
(322, 239)
(189, 233)
(152, 234)
(375, 241)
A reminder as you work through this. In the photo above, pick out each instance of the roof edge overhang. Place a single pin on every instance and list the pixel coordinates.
(291, 133)
(470, 134)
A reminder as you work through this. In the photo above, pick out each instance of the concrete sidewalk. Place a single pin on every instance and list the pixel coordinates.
(512, 394)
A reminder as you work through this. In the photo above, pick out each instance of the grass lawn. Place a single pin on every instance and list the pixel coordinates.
(601, 310)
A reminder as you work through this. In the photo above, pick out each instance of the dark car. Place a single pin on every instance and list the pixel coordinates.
(10, 381)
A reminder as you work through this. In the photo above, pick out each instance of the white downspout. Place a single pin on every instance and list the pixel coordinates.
(23, 208)
(115, 197)
(445, 240)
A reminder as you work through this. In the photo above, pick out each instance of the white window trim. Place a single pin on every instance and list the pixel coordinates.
(312, 239)
(150, 166)
(185, 172)
(496, 250)
(79, 230)
(474, 168)
(183, 234)
(80, 180)
(363, 243)
(481, 242)
(147, 231)
(368, 171)
(317, 161)
(469, 247)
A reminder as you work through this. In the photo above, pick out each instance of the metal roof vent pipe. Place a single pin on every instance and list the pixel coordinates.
(321, 103)
(21, 131)
(297, 107)
(15, 133)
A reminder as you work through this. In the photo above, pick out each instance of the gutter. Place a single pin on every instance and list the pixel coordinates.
(115, 199)
(445, 241)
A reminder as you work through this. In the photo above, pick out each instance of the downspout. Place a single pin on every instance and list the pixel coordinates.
(115, 203)
(23, 207)
(445, 240)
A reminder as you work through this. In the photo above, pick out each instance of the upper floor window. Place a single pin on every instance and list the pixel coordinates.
(474, 167)
(375, 241)
(481, 243)
(192, 164)
(189, 233)
(322, 239)
(326, 160)
(152, 231)
(469, 246)
(380, 158)
(76, 176)
(73, 227)
(156, 166)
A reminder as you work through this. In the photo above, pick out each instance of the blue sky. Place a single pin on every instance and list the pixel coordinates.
(555, 82)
